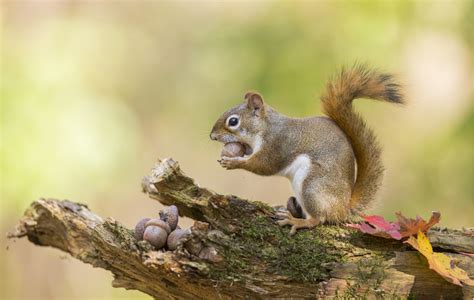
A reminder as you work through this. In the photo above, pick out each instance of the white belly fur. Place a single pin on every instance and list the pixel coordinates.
(296, 172)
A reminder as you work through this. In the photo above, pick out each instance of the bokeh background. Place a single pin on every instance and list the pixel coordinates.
(94, 92)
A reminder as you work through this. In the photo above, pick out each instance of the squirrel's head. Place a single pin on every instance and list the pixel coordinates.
(244, 124)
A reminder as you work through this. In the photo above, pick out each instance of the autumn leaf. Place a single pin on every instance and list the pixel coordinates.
(410, 226)
(378, 226)
(439, 262)
(405, 227)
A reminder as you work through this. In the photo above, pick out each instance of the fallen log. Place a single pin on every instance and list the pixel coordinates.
(236, 250)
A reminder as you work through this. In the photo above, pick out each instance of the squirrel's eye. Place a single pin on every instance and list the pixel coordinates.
(233, 121)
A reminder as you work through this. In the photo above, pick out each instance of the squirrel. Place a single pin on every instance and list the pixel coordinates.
(333, 162)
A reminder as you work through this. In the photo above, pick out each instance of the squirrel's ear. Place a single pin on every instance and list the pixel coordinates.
(254, 101)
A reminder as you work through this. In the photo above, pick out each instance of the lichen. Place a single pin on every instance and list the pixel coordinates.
(368, 278)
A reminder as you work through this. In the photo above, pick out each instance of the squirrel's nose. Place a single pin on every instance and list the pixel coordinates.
(213, 136)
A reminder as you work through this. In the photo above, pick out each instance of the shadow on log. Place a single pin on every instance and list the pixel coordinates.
(237, 251)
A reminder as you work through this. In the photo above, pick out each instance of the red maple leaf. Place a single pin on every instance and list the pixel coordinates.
(378, 226)
(405, 227)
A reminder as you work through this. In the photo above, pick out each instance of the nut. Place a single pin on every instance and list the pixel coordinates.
(176, 237)
(140, 228)
(156, 236)
(159, 223)
(170, 215)
(233, 150)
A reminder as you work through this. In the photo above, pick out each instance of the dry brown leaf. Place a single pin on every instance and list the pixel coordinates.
(409, 226)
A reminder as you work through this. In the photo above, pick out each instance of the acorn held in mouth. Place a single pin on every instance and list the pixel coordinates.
(233, 149)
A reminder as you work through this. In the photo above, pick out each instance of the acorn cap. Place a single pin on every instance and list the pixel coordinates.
(170, 215)
(159, 223)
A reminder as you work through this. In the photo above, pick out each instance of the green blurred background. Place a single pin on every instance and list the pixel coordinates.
(94, 92)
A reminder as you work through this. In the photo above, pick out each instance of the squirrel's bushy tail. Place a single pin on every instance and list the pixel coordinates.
(360, 82)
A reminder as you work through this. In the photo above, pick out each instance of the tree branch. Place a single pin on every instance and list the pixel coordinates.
(236, 250)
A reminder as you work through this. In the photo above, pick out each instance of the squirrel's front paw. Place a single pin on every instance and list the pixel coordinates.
(230, 163)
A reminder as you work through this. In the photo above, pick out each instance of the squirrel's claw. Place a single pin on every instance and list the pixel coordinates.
(284, 215)
(295, 223)
(230, 163)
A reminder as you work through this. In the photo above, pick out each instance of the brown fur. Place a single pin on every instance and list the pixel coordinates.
(360, 82)
(328, 148)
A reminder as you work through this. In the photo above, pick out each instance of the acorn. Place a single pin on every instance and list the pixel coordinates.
(176, 237)
(233, 149)
(170, 216)
(156, 233)
(156, 236)
(140, 228)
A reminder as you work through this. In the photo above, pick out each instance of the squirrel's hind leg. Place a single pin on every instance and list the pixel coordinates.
(296, 223)
(326, 199)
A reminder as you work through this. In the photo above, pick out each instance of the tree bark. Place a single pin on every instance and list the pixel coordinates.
(237, 251)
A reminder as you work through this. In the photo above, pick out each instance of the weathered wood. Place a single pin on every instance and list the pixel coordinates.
(237, 251)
